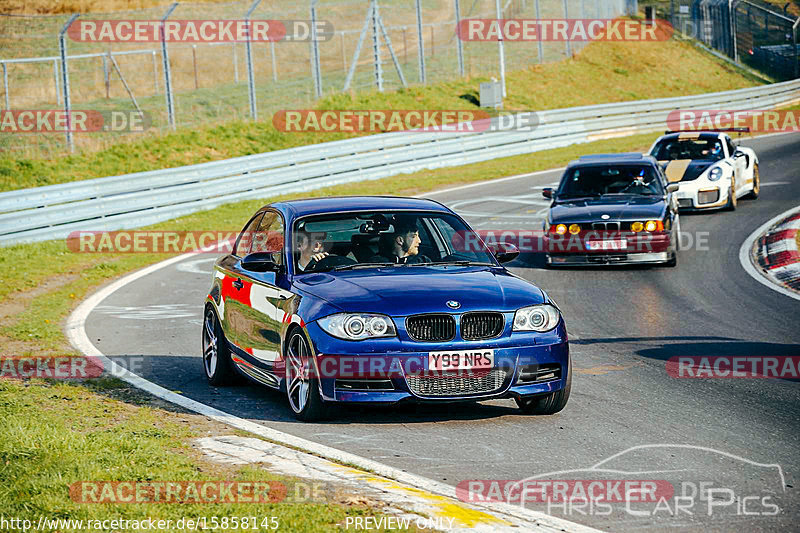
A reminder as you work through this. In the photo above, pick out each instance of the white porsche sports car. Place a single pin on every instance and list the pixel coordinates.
(711, 170)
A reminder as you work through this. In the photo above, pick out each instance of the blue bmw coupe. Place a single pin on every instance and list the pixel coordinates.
(380, 300)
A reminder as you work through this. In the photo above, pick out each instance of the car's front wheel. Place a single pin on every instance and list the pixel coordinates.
(547, 404)
(216, 352)
(302, 389)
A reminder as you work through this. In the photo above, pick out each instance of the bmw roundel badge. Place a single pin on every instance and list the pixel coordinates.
(452, 304)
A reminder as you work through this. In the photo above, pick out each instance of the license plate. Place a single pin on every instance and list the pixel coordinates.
(606, 245)
(461, 360)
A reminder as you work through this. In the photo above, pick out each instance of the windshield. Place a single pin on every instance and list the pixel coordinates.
(599, 180)
(349, 241)
(704, 149)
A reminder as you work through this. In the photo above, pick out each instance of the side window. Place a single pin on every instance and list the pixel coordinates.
(731, 147)
(268, 236)
(242, 245)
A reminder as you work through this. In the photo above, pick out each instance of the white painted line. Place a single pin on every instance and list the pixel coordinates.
(492, 182)
(76, 333)
(746, 260)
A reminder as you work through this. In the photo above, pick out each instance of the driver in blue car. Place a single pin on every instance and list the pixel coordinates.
(400, 246)
(311, 251)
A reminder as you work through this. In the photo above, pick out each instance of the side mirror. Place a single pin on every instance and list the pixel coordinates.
(673, 187)
(260, 262)
(737, 154)
(504, 251)
(548, 192)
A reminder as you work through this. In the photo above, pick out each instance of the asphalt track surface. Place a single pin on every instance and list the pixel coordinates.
(740, 437)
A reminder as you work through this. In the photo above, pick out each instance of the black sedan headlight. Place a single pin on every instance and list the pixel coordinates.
(358, 326)
(541, 318)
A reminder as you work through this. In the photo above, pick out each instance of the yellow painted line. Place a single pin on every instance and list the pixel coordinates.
(446, 506)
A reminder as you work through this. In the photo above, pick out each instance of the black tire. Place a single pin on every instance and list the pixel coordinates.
(217, 364)
(731, 205)
(547, 404)
(302, 390)
(756, 183)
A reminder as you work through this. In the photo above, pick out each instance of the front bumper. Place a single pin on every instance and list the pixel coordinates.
(525, 364)
(702, 196)
(608, 259)
(588, 248)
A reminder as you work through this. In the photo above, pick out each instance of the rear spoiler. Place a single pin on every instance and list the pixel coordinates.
(721, 130)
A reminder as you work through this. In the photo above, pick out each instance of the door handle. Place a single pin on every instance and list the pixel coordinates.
(238, 284)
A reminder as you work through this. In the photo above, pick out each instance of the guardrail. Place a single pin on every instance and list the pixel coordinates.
(144, 198)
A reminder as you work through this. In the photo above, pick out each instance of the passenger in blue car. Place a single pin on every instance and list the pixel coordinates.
(400, 246)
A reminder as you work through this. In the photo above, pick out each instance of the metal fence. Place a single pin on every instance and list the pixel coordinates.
(145, 198)
(758, 34)
(185, 84)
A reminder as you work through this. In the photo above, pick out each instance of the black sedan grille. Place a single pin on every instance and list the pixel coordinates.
(431, 328)
(606, 226)
(481, 325)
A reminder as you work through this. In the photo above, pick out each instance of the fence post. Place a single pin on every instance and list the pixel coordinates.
(344, 56)
(405, 46)
(376, 45)
(194, 64)
(274, 61)
(155, 73)
(315, 69)
(540, 46)
(106, 79)
(58, 85)
(62, 48)
(251, 83)
(459, 42)
(5, 83)
(566, 17)
(420, 43)
(167, 73)
(501, 50)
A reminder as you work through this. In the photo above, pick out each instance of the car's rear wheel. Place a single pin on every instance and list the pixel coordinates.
(302, 389)
(216, 352)
(547, 404)
(756, 183)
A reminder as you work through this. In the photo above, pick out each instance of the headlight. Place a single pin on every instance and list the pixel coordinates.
(574, 229)
(715, 174)
(541, 318)
(358, 326)
(561, 229)
(637, 227)
(651, 225)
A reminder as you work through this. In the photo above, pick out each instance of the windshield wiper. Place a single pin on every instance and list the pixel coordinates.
(463, 262)
(360, 265)
(581, 197)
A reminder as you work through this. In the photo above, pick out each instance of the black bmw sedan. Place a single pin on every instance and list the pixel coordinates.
(612, 209)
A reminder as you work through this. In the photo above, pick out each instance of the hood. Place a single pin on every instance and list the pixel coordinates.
(684, 169)
(616, 207)
(402, 291)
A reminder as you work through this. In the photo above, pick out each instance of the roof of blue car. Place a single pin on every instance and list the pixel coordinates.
(316, 206)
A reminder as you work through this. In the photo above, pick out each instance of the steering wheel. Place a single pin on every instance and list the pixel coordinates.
(328, 262)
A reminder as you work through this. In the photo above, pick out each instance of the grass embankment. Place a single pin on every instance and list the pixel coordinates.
(53, 434)
(602, 72)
